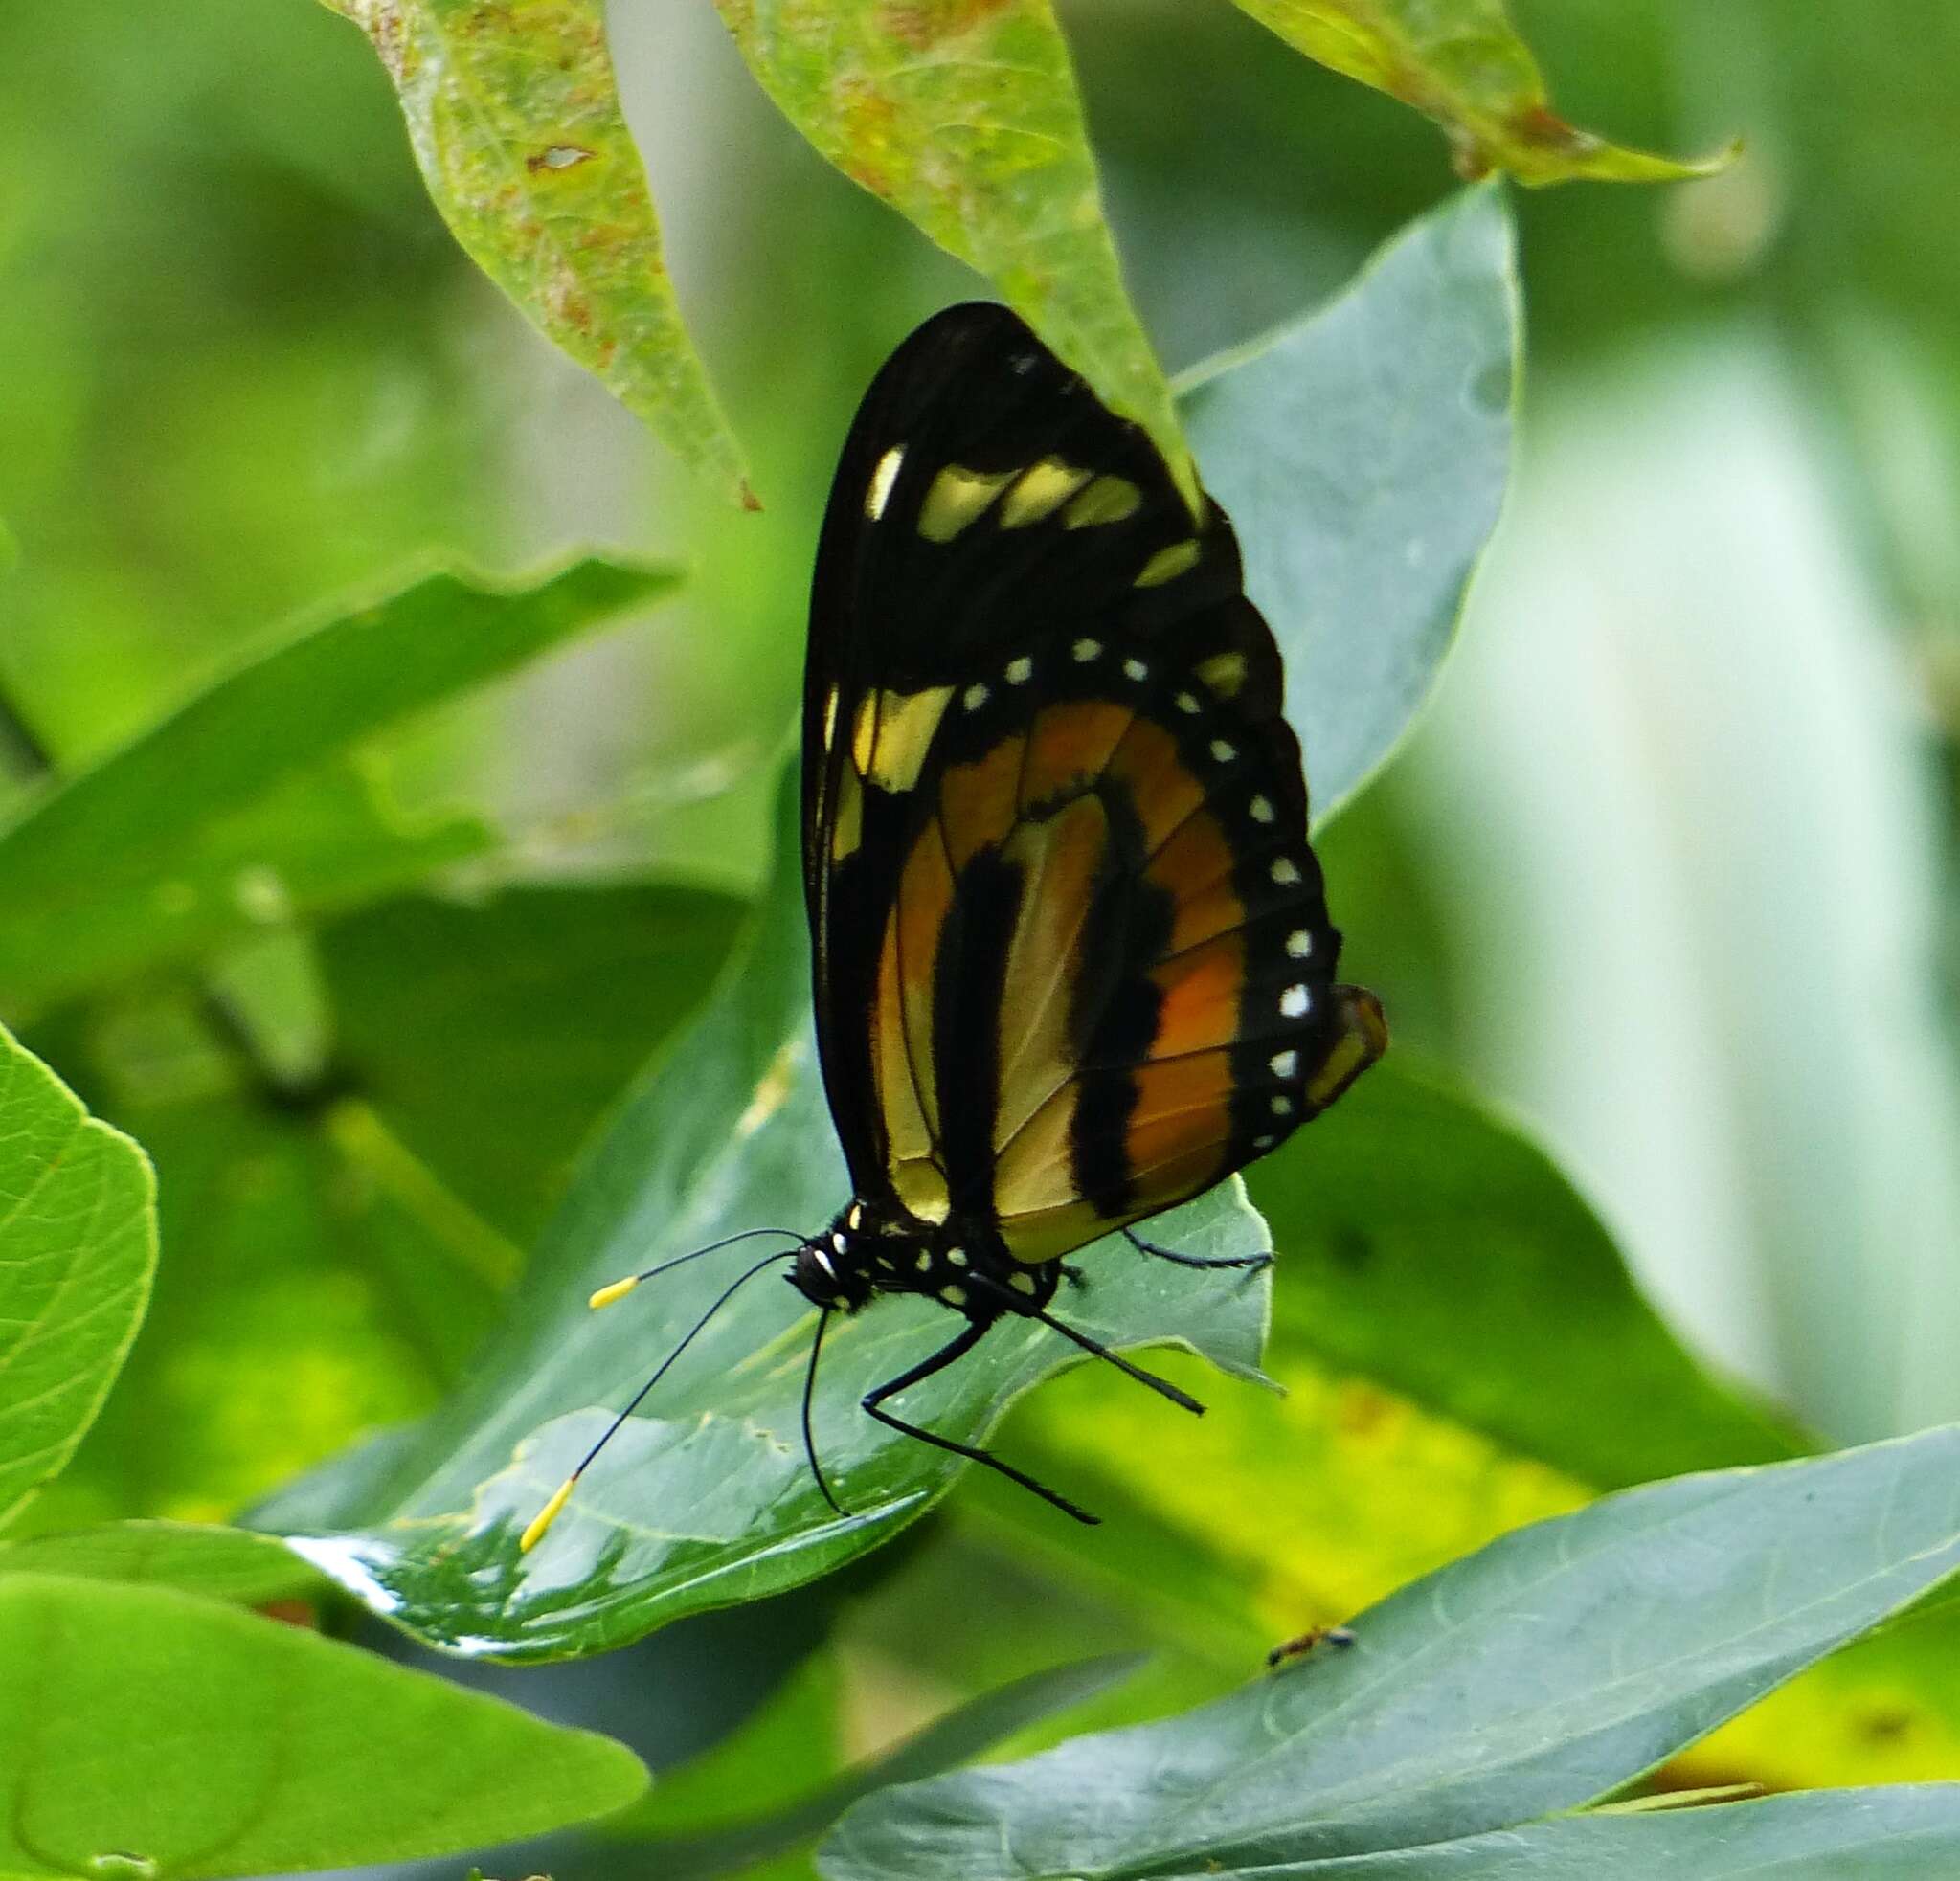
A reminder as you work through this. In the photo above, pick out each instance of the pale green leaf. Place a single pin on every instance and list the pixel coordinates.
(1545, 1671)
(1363, 454)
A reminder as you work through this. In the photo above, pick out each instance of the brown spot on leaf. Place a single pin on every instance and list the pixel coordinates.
(558, 156)
(923, 23)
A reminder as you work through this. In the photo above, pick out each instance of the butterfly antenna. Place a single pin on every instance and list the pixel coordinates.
(617, 1289)
(552, 1510)
(810, 1397)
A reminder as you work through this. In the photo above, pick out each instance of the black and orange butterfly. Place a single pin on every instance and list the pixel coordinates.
(1072, 961)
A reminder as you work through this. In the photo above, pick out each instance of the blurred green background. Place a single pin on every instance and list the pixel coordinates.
(1668, 869)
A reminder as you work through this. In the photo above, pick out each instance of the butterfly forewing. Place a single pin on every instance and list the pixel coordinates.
(1073, 963)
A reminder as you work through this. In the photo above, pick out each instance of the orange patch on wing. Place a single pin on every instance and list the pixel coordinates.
(1207, 914)
(1194, 861)
(977, 802)
(1068, 745)
(1162, 789)
(1181, 1123)
(1203, 991)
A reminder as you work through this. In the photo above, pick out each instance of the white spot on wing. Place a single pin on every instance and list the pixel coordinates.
(1284, 871)
(1085, 650)
(1262, 809)
(1020, 671)
(1284, 1064)
(975, 697)
(1293, 1001)
(1300, 943)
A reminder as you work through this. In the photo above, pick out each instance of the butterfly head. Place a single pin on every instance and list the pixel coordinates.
(839, 1266)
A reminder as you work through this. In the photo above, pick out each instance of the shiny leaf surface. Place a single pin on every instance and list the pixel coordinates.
(705, 1497)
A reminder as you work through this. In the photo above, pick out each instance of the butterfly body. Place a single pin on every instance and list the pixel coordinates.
(963, 1265)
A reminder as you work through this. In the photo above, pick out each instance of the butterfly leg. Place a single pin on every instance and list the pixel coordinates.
(955, 1349)
(1033, 1309)
(1151, 1247)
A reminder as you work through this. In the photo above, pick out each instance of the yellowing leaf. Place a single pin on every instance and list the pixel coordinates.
(1462, 63)
(516, 124)
(963, 116)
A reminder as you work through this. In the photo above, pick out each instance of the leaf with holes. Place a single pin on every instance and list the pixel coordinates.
(516, 121)
(1462, 63)
(77, 1245)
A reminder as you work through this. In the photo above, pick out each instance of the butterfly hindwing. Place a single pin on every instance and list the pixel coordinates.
(1073, 963)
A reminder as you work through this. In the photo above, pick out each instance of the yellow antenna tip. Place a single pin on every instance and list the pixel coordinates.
(547, 1515)
(617, 1290)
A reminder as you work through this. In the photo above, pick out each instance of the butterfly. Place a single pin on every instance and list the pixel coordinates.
(1072, 957)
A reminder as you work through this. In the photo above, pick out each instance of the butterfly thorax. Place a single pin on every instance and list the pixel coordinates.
(966, 1265)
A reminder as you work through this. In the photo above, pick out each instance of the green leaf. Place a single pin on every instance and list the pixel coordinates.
(220, 1563)
(1904, 1833)
(1426, 1245)
(148, 1733)
(961, 1734)
(238, 810)
(1462, 63)
(1363, 454)
(705, 1498)
(302, 1306)
(1422, 1246)
(516, 121)
(436, 1002)
(78, 1246)
(967, 120)
(1543, 1672)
